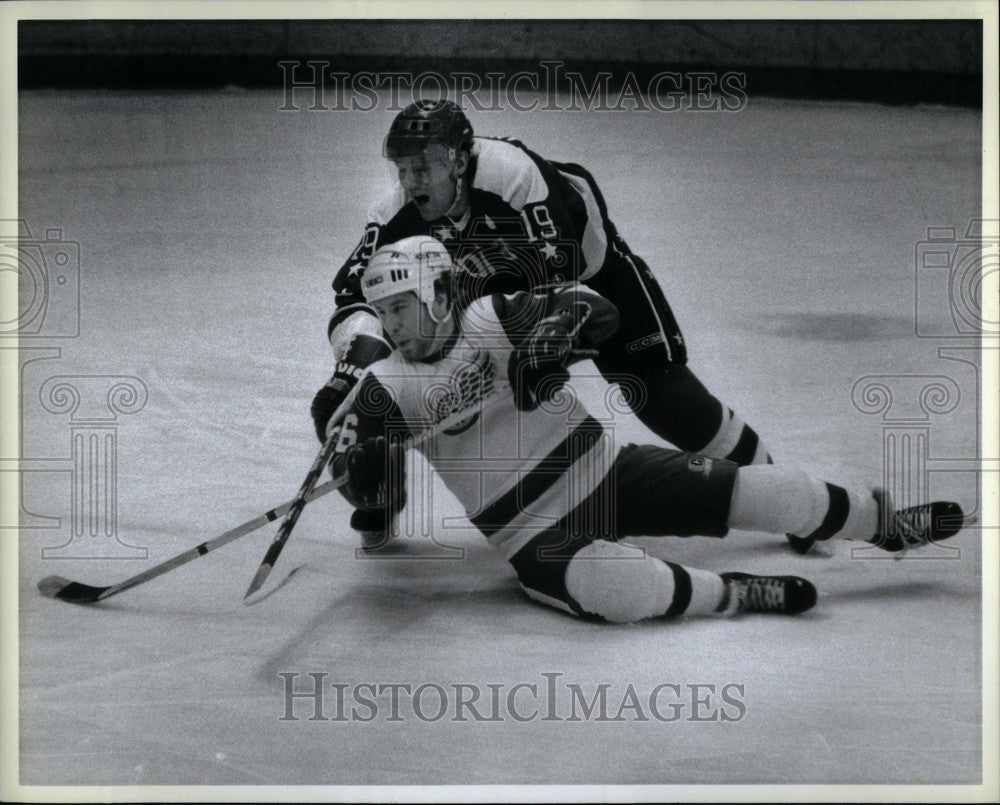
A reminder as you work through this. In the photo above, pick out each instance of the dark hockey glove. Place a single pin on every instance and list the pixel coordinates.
(361, 353)
(377, 528)
(550, 343)
(538, 367)
(366, 465)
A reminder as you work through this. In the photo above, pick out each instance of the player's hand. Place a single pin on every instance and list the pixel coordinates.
(548, 345)
(366, 464)
(361, 352)
(552, 343)
(538, 367)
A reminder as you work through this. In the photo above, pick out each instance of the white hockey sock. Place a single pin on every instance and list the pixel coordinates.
(782, 501)
(622, 583)
(706, 591)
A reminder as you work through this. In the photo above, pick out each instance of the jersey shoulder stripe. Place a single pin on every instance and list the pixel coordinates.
(508, 171)
(596, 231)
(387, 205)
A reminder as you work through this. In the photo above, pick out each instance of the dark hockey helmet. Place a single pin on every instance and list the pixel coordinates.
(424, 123)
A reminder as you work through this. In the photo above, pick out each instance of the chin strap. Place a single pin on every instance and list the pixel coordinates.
(456, 204)
(443, 320)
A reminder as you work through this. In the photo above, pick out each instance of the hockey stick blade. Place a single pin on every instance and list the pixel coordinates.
(71, 591)
(74, 592)
(251, 597)
(260, 595)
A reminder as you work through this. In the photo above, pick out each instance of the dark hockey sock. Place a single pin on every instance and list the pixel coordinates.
(681, 410)
(783, 501)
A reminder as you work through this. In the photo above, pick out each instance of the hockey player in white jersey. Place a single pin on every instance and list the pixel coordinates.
(545, 480)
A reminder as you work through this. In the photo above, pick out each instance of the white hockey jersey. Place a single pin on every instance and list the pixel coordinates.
(516, 472)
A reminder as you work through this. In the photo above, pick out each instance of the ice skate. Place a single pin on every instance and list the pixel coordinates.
(915, 526)
(784, 595)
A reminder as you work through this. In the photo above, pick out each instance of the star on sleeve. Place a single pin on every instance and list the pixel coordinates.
(549, 250)
(444, 233)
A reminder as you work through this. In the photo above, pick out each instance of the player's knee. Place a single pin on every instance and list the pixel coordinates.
(619, 582)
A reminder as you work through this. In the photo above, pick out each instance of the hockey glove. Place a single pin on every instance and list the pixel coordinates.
(538, 367)
(366, 465)
(377, 528)
(362, 351)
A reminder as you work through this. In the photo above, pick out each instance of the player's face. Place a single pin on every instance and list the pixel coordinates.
(406, 320)
(430, 180)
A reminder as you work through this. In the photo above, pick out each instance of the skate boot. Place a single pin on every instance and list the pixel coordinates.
(916, 526)
(783, 595)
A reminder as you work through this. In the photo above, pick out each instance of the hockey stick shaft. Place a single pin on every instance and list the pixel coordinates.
(223, 539)
(57, 587)
(299, 501)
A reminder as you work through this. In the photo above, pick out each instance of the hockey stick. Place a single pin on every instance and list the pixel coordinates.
(299, 501)
(274, 550)
(77, 593)
(298, 504)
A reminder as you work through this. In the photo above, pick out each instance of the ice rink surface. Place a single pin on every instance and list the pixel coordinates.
(210, 225)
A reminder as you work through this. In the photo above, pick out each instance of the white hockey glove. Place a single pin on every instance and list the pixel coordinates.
(358, 343)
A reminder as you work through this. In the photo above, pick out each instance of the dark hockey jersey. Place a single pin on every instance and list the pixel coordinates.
(530, 222)
(516, 472)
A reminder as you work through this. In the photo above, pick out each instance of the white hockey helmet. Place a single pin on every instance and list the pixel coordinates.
(411, 264)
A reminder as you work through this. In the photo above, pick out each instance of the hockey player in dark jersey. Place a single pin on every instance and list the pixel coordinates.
(544, 479)
(516, 221)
